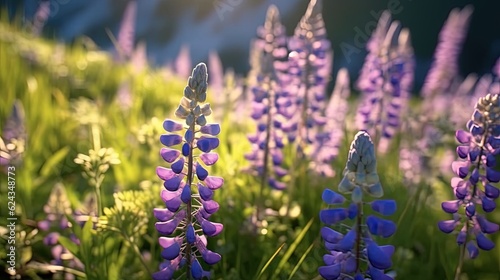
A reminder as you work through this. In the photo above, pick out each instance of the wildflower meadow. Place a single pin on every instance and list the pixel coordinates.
(113, 168)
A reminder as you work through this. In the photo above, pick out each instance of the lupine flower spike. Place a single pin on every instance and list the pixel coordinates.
(266, 157)
(335, 113)
(477, 173)
(310, 61)
(353, 252)
(189, 189)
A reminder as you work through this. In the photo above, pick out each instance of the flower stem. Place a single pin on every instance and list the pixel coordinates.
(460, 262)
(358, 234)
(189, 205)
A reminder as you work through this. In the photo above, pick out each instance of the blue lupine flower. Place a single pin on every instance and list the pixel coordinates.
(477, 172)
(268, 52)
(356, 253)
(188, 186)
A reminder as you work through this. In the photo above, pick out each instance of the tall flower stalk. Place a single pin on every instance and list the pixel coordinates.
(474, 191)
(189, 189)
(268, 52)
(353, 251)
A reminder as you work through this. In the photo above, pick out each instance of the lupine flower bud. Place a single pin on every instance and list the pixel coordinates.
(188, 186)
(356, 253)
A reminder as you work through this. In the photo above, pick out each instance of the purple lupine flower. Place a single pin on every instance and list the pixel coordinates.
(355, 252)
(444, 68)
(126, 33)
(56, 223)
(309, 70)
(385, 82)
(336, 112)
(188, 193)
(474, 187)
(371, 78)
(398, 85)
(267, 142)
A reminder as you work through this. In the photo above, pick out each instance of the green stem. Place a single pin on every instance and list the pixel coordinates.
(189, 205)
(358, 234)
(460, 262)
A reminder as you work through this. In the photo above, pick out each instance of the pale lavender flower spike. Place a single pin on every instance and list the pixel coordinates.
(183, 62)
(41, 16)
(445, 65)
(126, 34)
(335, 113)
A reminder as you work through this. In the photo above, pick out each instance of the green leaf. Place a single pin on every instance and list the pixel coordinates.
(292, 248)
(270, 260)
(50, 164)
(70, 245)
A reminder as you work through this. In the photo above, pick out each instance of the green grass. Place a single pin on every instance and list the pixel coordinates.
(66, 88)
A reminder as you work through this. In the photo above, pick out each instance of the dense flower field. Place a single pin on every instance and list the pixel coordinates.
(113, 169)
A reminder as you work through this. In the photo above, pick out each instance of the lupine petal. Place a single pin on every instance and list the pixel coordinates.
(201, 172)
(169, 155)
(207, 144)
(447, 226)
(352, 211)
(487, 226)
(214, 182)
(170, 139)
(488, 204)
(205, 193)
(492, 175)
(484, 243)
(384, 207)
(331, 235)
(196, 269)
(378, 226)
(172, 126)
(377, 257)
(210, 206)
(186, 149)
(331, 197)
(330, 271)
(332, 216)
(190, 234)
(171, 252)
(463, 136)
(212, 129)
(164, 173)
(472, 249)
(462, 236)
(328, 259)
(277, 185)
(491, 191)
(173, 183)
(450, 206)
(162, 214)
(186, 194)
(210, 228)
(166, 228)
(178, 166)
(210, 257)
(347, 243)
(209, 158)
(189, 136)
